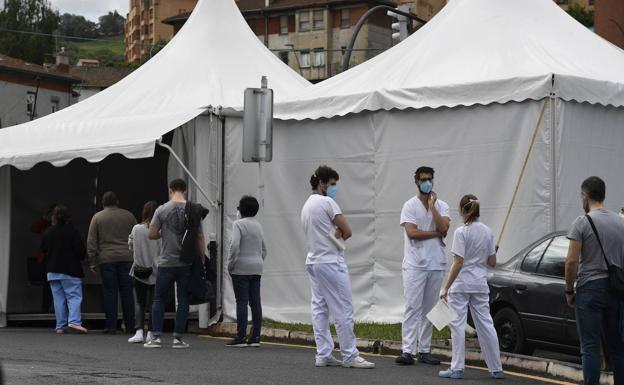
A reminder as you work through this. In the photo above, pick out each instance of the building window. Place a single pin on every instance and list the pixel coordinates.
(304, 21)
(31, 97)
(283, 25)
(319, 20)
(305, 59)
(284, 57)
(345, 21)
(319, 57)
(54, 101)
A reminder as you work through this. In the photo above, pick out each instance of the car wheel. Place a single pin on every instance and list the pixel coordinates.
(510, 332)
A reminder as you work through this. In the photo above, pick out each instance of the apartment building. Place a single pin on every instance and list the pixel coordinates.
(144, 27)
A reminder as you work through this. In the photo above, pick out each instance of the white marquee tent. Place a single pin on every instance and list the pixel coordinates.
(465, 94)
(208, 63)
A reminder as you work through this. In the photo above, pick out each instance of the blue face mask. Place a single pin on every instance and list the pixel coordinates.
(332, 190)
(426, 187)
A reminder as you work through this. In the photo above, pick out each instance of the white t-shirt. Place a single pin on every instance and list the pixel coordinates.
(474, 243)
(317, 217)
(426, 254)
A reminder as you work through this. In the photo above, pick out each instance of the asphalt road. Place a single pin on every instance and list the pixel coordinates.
(36, 356)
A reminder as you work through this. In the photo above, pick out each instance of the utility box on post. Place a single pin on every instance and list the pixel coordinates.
(258, 124)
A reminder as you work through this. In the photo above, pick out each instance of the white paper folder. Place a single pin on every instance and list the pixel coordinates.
(441, 315)
(339, 245)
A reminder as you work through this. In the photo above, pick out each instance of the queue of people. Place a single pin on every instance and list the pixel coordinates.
(153, 261)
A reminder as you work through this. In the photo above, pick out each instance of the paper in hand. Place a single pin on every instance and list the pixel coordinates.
(339, 245)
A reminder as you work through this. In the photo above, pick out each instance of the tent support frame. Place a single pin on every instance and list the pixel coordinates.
(214, 204)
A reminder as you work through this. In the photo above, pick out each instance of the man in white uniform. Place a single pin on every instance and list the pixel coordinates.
(329, 278)
(425, 220)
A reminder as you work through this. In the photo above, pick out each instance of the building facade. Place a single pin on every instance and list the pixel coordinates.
(30, 91)
(609, 20)
(144, 27)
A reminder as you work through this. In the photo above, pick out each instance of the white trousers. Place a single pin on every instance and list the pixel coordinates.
(331, 299)
(421, 289)
(488, 340)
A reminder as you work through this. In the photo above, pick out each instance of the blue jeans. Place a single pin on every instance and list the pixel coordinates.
(598, 315)
(67, 295)
(247, 292)
(116, 280)
(165, 277)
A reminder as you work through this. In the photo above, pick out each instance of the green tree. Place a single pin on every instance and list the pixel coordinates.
(583, 15)
(111, 24)
(34, 16)
(77, 26)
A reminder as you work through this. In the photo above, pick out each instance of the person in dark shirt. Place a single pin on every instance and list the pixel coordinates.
(64, 250)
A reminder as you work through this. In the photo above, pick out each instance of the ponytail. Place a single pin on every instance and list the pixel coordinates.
(469, 208)
(322, 175)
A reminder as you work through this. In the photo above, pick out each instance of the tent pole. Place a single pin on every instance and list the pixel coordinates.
(186, 170)
(553, 164)
(524, 164)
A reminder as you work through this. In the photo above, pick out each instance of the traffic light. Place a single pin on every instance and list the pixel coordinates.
(400, 26)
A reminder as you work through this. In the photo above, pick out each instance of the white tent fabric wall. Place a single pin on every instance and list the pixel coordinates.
(476, 149)
(5, 239)
(198, 144)
(589, 142)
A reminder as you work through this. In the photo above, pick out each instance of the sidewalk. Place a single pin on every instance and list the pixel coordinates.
(556, 369)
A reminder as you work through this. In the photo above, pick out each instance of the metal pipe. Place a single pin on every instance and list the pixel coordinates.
(186, 170)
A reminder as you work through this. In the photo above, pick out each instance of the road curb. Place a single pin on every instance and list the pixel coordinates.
(544, 367)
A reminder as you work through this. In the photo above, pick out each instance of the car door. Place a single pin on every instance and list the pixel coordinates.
(538, 286)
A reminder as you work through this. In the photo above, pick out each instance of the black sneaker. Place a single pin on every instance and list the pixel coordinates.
(237, 343)
(405, 359)
(253, 342)
(428, 358)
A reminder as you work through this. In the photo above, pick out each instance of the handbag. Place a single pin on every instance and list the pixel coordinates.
(616, 273)
(142, 272)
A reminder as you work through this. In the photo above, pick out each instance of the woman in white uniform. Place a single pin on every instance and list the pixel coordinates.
(473, 251)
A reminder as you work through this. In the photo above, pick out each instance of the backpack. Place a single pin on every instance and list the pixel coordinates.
(193, 215)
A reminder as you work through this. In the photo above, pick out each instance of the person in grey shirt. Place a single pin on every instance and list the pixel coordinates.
(144, 268)
(247, 254)
(168, 225)
(598, 310)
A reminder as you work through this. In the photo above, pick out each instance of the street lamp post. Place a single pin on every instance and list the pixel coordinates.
(292, 48)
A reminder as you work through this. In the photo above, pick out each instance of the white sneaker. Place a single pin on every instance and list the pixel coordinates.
(358, 363)
(153, 343)
(329, 361)
(137, 338)
(179, 344)
(149, 337)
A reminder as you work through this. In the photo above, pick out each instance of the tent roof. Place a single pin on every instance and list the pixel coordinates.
(476, 52)
(213, 58)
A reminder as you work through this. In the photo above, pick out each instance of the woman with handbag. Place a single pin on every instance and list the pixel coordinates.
(146, 252)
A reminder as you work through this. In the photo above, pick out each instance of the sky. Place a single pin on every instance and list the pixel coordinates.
(91, 9)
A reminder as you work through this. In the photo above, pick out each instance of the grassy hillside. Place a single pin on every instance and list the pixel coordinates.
(107, 51)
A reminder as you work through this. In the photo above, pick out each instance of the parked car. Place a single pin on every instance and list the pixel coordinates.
(527, 299)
